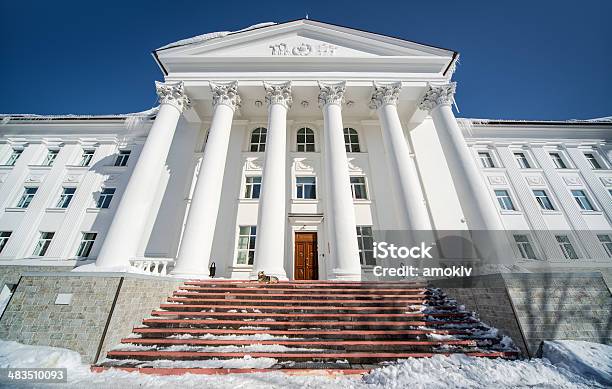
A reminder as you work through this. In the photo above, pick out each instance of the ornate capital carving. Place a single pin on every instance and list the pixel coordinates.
(438, 95)
(279, 94)
(173, 93)
(385, 94)
(225, 94)
(331, 93)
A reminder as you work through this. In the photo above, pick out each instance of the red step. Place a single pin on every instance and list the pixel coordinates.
(300, 343)
(345, 316)
(222, 371)
(294, 296)
(262, 290)
(232, 300)
(276, 308)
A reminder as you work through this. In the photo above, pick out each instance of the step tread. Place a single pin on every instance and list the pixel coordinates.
(267, 314)
(305, 323)
(144, 330)
(214, 342)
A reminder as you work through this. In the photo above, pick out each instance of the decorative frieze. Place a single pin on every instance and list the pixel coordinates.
(173, 93)
(303, 49)
(331, 93)
(438, 95)
(385, 94)
(497, 180)
(253, 164)
(572, 181)
(534, 180)
(279, 94)
(303, 165)
(607, 181)
(226, 94)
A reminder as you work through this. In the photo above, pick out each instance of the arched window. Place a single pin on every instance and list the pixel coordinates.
(351, 140)
(258, 139)
(305, 140)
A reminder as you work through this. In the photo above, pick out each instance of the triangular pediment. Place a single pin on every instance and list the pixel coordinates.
(301, 41)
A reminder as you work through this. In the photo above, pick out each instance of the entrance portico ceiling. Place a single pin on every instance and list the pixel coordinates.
(303, 51)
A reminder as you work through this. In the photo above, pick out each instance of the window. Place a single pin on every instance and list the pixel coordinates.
(522, 160)
(485, 159)
(14, 157)
(246, 245)
(258, 139)
(358, 187)
(106, 195)
(566, 247)
(43, 243)
(4, 237)
(86, 244)
(122, 158)
(351, 140)
(66, 197)
(524, 247)
(606, 242)
(26, 198)
(582, 200)
(366, 246)
(50, 158)
(252, 187)
(86, 157)
(543, 200)
(505, 202)
(593, 161)
(558, 161)
(306, 187)
(305, 140)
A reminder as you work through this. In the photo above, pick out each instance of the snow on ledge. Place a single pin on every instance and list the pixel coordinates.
(148, 114)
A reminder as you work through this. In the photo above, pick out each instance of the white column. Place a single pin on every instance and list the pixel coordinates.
(473, 193)
(128, 224)
(340, 210)
(194, 253)
(413, 214)
(272, 216)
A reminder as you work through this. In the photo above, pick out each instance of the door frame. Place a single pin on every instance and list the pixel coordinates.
(316, 248)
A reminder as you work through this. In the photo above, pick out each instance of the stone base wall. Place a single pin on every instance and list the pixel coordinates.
(10, 274)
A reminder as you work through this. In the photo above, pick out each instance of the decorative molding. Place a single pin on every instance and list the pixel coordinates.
(303, 49)
(279, 94)
(331, 93)
(173, 93)
(112, 178)
(354, 165)
(607, 181)
(35, 178)
(437, 95)
(3, 177)
(385, 94)
(73, 178)
(497, 180)
(572, 181)
(253, 164)
(226, 94)
(303, 165)
(534, 180)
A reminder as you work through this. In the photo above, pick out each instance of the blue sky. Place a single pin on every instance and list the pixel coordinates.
(519, 59)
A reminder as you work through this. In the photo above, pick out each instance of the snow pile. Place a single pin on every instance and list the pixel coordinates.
(591, 360)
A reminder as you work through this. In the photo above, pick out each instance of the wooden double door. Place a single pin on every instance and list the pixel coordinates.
(306, 263)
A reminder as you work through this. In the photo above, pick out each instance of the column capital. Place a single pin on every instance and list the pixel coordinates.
(331, 93)
(226, 94)
(385, 94)
(173, 93)
(278, 93)
(438, 94)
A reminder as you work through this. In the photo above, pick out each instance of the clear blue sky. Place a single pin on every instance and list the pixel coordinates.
(519, 59)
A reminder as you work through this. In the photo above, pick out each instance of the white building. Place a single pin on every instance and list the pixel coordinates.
(280, 148)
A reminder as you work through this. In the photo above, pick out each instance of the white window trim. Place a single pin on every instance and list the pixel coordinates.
(294, 190)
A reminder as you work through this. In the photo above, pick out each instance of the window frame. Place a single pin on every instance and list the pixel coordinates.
(525, 247)
(85, 245)
(303, 185)
(259, 145)
(502, 205)
(103, 196)
(363, 258)
(50, 157)
(565, 246)
(66, 197)
(485, 155)
(540, 203)
(585, 196)
(250, 186)
(594, 161)
(305, 144)
(42, 244)
(26, 198)
(4, 238)
(122, 158)
(607, 244)
(563, 162)
(350, 146)
(354, 185)
(14, 157)
(521, 156)
(86, 161)
(250, 251)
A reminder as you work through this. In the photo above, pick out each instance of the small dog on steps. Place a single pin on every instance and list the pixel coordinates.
(263, 278)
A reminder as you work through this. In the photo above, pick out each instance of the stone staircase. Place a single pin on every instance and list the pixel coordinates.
(220, 326)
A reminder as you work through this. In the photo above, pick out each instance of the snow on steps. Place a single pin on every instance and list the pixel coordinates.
(212, 326)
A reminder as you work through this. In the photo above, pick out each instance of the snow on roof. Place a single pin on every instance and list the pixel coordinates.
(148, 114)
(212, 35)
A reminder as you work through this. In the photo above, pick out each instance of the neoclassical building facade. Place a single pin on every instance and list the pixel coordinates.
(281, 148)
